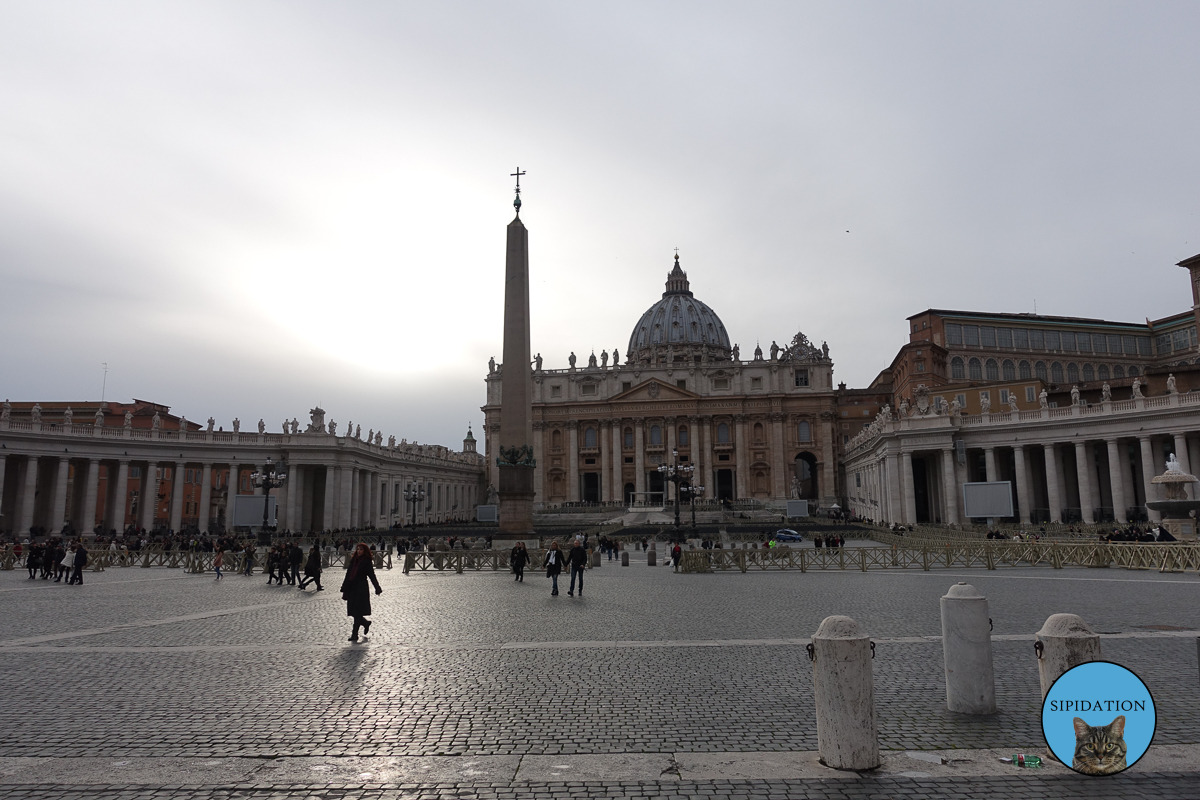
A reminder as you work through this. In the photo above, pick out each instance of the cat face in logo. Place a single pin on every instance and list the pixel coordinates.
(1099, 750)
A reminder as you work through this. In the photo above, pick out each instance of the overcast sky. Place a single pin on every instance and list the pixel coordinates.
(249, 208)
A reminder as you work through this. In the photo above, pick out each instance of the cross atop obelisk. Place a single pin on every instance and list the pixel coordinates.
(514, 457)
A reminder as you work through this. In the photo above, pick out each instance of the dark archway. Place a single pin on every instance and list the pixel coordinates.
(805, 476)
(629, 490)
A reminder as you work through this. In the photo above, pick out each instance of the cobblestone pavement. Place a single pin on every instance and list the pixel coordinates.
(150, 662)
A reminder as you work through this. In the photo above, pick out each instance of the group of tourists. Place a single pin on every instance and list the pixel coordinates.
(55, 559)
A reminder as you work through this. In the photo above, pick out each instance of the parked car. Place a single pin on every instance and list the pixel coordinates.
(788, 535)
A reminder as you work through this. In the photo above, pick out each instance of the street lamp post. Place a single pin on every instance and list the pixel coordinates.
(267, 479)
(676, 473)
(693, 493)
(414, 494)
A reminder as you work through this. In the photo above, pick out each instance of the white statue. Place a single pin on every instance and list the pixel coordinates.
(68, 416)
(156, 423)
(6, 410)
(35, 413)
(774, 351)
(99, 417)
(1044, 399)
(378, 438)
(537, 361)
(287, 427)
(370, 435)
(1012, 402)
(182, 424)
(1137, 387)
(391, 443)
(295, 425)
(237, 425)
(1074, 395)
(316, 423)
(604, 359)
(350, 429)
(1106, 392)
(262, 426)
(211, 422)
(1171, 384)
(492, 365)
(903, 408)
(128, 419)
(985, 404)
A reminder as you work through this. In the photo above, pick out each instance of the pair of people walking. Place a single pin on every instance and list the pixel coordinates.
(555, 560)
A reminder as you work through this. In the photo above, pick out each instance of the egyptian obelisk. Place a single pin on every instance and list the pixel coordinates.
(515, 457)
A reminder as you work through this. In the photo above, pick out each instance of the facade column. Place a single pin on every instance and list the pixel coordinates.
(539, 457)
(59, 509)
(1181, 452)
(3, 467)
(1023, 496)
(602, 438)
(1087, 502)
(202, 512)
(1116, 481)
(989, 463)
(671, 444)
(233, 486)
(330, 501)
(177, 497)
(777, 486)
(89, 495)
(1147, 474)
(829, 490)
(910, 497)
(617, 461)
(740, 453)
(950, 486)
(639, 458)
(291, 517)
(355, 498)
(28, 495)
(1053, 492)
(120, 498)
(376, 495)
(346, 496)
(573, 461)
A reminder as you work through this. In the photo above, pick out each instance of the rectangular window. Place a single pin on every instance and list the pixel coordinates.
(1053, 340)
(1021, 338)
(1129, 345)
(801, 377)
(858, 479)
(723, 457)
(804, 433)
(971, 335)
(1029, 394)
(720, 383)
(556, 391)
(1037, 340)
(1084, 341)
(1099, 342)
(1004, 337)
(1004, 397)
(626, 386)
(628, 459)
(954, 334)
(756, 384)
(1179, 340)
(587, 389)
(987, 336)
(1192, 331)
(1068, 342)
(1144, 346)
(681, 384)
(1163, 344)
(1114, 344)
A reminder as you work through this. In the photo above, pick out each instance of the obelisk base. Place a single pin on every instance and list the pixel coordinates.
(516, 500)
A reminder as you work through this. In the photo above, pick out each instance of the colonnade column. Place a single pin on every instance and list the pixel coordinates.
(345, 488)
(29, 495)
(895, 505)
(291, 514)
(59, 508)
(3, 465)
(1087, 503)
(1147, 475)
(330, 501)
(120, 496)
(177, 497)
(989, 463)
(1116, 481)
(910, 497)
(573, 461)
(777, 486)
(1053, 495)
(950, 486)
(1022, 483)
(1181, 455)
(232, 485)
(639, 458)
(92, 487)
(205, 497)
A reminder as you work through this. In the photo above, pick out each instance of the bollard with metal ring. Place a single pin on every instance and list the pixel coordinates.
(1064, 641)
(967, 651)
(624, 558)
(844, 691)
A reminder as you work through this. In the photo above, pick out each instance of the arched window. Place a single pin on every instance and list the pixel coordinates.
(1118, 371)
(655, 434)
(993, 370)
(805, 432)
(758, 432)
(556, 438)
(683, 436)
(957, 370)
(1089, 372)
(1133, 372)
(1039, 369)
(1056, 372)
(1073, 372)
(1010, 370)
(629, 437)
(1024, 370)
(589, 437)
(975, 369)
(723, 433)
(1102, 373)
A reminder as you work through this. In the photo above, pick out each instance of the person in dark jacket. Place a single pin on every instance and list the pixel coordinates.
(312, 569)
(578, 559)
(355, 592)
(553, 563)
(520, 557)
(295, 559)
(80, 562)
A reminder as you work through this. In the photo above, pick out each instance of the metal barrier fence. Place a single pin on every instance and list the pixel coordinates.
(188, 560)
(904, 554)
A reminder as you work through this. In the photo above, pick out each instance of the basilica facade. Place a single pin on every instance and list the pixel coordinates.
(760, 428)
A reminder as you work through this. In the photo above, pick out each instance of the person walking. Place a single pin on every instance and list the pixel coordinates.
(577, 558)
(553, 564)
(355, 591)
(676, 554)
(312, 569)
(64, 561)
(248, 551)
(520, 557)
(218, 561)
(81, 558)
(295, 559)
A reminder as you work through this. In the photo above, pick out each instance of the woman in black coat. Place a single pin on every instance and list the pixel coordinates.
(312, 569)
(355, 592)
(520, 557)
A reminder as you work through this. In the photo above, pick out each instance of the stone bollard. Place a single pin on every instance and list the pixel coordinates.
(595, 558)
(624, 558)
(651, 556)
(1064, 641)
(967, 651)
(844, 692)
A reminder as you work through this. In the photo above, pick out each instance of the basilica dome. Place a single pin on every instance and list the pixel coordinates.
(679, 327)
